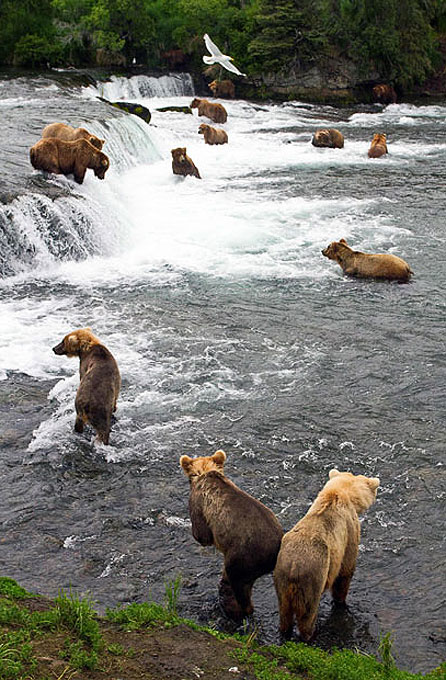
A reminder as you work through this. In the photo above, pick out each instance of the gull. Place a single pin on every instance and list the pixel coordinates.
(219, 58)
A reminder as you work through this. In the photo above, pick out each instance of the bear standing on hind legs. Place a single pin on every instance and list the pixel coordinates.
(100, 381)
(241, 527)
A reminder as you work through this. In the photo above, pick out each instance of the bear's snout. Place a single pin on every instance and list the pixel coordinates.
(60, 348)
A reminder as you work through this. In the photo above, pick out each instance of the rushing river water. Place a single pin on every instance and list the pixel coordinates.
(231, 331)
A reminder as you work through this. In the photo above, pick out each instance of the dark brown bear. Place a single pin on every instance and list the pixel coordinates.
(222, 88)
(214, 111)
(70, 134)
(384, 94)
(182, 164)
(65, 158)
(330, 138)
(241, 527)
(100, 382)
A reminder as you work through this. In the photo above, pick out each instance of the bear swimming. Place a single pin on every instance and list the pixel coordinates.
(182, 164)
(320, 552)
(65, 158)
(100, 381)
(70, 134)
(216, 112)
(212, 135)
(378, 146)
(329, 137)
(368, 265)
(241, 527)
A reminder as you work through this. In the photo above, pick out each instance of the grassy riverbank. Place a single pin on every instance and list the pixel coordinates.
(64, 639)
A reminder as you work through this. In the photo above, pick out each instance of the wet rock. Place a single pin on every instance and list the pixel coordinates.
(136, 109)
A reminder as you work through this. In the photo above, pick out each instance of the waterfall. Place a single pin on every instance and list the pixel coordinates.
(137, 87)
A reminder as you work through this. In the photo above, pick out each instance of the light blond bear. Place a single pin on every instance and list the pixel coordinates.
(216, 112)
(212, 135)
(368, 265)
(66, 158)
(100, 381)
(329, 138)
(320, 552)
(70, 134)
(241, 527)
(378, 146)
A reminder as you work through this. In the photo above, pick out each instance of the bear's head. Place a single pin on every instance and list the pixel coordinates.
(96, 141)
(195, 103)
(194, 467)
(347, 488)
(321, 138)
(76, 342)
(336, 249)
(101, 165)
(213, 86)
(179, 155)
(379, 139)
(203, 128)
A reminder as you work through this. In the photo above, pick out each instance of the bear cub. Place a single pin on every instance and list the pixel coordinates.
(241, 527)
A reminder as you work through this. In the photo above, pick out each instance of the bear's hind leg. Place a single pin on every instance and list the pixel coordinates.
(340, 587)
(228, 599)
(286, 615)
(79, 424)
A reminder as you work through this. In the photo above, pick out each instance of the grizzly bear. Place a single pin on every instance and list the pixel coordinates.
(241, 527)
(63, 158)
(368, 265)
(378, 146)
(182, 164)
(384, 94)
(329, 138)
(212, 135)
(320, 552)
(222, 88)
(100, 381)
(70, 134)
(216, 112)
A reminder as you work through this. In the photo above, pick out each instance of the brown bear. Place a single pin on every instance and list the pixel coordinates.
(384, 94)
(368, 265)
(212, 135)
(329, 138)
(378, 147)
(182, 164)
(241, 527)
(100, 381)
(216, 112)
(70, 134)
(63, 158)
(320, 552)
(222, 88)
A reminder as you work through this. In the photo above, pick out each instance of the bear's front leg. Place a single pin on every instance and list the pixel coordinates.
(79, 424)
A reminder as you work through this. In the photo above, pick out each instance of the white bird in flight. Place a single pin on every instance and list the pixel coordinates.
(219, 58)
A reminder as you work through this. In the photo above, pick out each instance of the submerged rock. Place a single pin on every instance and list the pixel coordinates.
(137, 109)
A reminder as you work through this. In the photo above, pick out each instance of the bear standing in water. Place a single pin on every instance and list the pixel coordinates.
(241, 527)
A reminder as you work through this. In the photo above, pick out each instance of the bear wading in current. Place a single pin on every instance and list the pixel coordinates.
(216, 112)
(182, 164)
(329, 138)
(212, 135)
(100, 381)
(241, 527)
(320, 552)
(378, 146)
(70, 134)
(222, 88)
(65, 158)
(368, 265)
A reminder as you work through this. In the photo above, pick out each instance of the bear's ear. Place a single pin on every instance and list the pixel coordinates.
(342, 240)
(333, 473)
(219, 458)
(72, 343)
(373, 482)
(186, 463)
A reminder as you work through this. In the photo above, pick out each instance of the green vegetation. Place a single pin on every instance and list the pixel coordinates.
(42, 639)
(396, 40)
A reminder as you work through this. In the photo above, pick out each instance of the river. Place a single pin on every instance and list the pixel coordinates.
(231, 331)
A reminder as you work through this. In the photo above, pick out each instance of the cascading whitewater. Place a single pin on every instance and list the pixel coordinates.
(121, 88)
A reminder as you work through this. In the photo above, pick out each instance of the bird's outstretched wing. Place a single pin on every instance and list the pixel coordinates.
(230, 67)
(212, 47)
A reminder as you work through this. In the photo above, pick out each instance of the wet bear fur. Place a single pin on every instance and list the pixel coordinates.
(182, 164)
(65, 158)
(222, 88)
(329, 138)
(216, 112)
(320, 552)
(241, 527)
(212, 135)
(368, 265)
(378, 146)
(70, 134)
(100, 381)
